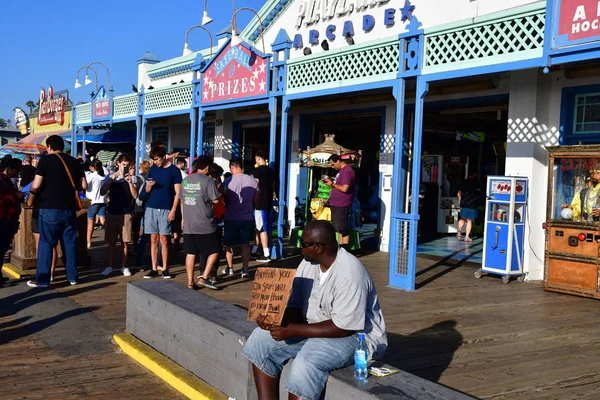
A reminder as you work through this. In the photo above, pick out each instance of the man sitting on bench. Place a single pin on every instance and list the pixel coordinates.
(333, 299)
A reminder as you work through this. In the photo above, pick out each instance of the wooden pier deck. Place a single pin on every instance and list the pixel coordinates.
(482, 337)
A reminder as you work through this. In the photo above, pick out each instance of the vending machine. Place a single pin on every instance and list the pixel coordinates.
(504, 228)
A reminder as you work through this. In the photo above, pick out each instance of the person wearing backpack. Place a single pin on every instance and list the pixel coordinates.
(58, 180)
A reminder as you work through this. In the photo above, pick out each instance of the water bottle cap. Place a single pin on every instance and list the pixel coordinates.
(361, 336)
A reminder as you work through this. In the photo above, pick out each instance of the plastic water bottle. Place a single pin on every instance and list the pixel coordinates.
(361, 355)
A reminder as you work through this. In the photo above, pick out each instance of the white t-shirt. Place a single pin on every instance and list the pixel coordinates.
(95, 181)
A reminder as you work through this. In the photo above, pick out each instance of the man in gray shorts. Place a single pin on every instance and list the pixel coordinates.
(333, 299)
(163, 184)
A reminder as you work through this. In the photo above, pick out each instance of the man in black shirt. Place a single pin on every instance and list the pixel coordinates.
(57, 204)
(265, 177)
(27, 172)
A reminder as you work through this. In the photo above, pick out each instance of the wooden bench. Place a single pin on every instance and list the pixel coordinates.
(205, 336)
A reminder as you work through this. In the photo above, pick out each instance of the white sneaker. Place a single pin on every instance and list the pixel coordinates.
(245, 273)
(126, 271)
(228, 271)
(73, 283)
(107, 271)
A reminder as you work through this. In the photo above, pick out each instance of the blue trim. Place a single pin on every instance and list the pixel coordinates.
(142, 143)
(139, 150)
(273, 132)
(229, 105)
(172, 71)
(183, 111)
(283, 160)
(123, 119)
(488, 69)
(200, 140)
(347, 89)
(193, 129)
(567, 116)
(575, 57)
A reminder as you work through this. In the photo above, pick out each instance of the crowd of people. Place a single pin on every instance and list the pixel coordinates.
(213, 212)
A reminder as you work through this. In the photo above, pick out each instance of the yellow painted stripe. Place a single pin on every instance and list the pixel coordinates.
(172, 373)
(13, 271)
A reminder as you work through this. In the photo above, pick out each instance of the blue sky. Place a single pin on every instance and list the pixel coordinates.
(44, 43)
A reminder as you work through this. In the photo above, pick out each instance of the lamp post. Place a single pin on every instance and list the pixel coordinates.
(186, 48)
(235, 39)
(206, 19)
(87, 78)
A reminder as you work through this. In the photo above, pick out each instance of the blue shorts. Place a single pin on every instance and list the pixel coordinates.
(313, 359)
(237, 232)
(262, 220)
(469, 213)
(157, 222)
(98, 209)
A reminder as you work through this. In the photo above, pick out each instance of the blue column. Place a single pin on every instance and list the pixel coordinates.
(273, 138)
(142, 143)
(85, 131)
(193, 129)
(285, 106)
(200, 142)
(74, 141)
(138, 149)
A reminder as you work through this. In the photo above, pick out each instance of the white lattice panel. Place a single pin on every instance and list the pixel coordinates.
(497, 38)
(168, 99)
(402, 246)
(125, 106)
(345, 67)
(83, 113)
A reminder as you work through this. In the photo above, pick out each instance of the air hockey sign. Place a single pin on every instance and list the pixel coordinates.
(579, 19)
(237, 73)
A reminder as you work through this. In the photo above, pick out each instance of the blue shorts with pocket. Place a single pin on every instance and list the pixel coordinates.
(469, 213)
(237, 232)
(157, 221)
(98, 209)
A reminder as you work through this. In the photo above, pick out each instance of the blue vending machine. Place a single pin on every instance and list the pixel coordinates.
(504, 229)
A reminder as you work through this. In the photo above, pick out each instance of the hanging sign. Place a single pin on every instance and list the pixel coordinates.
(102, 104)
(579, 20)
(478, 137)
(270, 294)
(52, 110)
(237, 73)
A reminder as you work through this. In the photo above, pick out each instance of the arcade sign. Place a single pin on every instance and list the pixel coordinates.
(51, 110)
(237, 73)
(579, 19)
(314, 11)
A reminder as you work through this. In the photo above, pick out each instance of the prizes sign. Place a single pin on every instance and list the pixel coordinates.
(270, 294)
(237, 73)
(579, 19)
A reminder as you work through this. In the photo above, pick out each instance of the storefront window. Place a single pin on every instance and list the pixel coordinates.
(574, 191)
(161, 134)
(587, 113)
(208, 145)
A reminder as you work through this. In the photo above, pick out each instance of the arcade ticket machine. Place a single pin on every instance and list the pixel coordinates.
(572, 257)
(504, 227)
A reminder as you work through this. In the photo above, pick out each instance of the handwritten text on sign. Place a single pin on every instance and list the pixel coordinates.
(270, 294)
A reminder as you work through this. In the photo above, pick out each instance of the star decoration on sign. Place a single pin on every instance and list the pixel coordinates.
(407, 11)
(262, 68)
(261, 85)
(206, 79)
(255, 73)
(205, 93)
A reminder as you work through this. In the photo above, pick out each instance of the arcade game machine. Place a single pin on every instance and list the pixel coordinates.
(317, 193)
(572, 257)
(504, 236)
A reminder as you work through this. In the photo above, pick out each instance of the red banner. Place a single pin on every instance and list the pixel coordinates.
(579, 19)
(102, 108)
(236, 74)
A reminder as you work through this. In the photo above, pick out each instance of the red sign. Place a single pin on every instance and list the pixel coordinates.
(579, 19)
(52, 110)
(102, 108)
(236, 74)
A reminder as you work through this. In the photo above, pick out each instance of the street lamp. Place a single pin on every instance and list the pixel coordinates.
(87, 78)
(206, 19)
(186, 48)
(235, 39)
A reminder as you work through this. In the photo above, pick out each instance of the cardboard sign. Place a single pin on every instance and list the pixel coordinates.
(270, 294)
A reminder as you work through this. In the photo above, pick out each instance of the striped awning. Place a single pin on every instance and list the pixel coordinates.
(40, 137)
